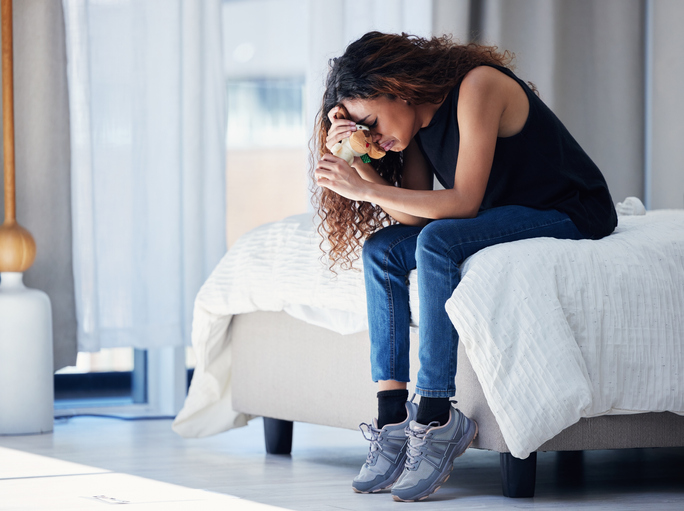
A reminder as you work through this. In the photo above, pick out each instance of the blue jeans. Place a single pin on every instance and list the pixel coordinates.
(437, 251)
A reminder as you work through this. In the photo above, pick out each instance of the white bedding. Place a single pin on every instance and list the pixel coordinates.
(555, 330)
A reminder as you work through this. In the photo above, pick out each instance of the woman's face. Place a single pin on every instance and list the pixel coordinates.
(393, 122)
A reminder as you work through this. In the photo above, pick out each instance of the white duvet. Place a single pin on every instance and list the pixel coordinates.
(555, 330)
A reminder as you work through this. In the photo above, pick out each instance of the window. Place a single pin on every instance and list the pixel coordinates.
(265, 63)
(266, 153)
(110, 377)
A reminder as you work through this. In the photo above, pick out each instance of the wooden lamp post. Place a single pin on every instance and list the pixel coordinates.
(26, 381)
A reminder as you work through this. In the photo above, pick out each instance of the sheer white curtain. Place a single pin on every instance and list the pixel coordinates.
(148, 124)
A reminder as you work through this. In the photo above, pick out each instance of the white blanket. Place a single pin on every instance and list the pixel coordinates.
(555, 330)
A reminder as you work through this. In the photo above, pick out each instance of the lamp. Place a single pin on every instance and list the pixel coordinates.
(26, 381)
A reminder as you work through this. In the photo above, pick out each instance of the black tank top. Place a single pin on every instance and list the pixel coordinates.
(541, 167)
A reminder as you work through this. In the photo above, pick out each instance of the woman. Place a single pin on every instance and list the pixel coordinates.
(510, 171)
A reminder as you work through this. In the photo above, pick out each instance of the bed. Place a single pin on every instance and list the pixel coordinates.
(565, 345)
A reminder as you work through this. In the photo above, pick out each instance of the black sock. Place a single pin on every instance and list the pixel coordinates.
(433, 409)
(391, 406)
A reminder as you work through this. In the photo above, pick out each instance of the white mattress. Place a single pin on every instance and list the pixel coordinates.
(555, 330)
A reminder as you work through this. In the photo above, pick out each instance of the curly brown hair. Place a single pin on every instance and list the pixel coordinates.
(406, 67)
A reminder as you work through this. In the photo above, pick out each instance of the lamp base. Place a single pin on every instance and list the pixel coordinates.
(26, 368)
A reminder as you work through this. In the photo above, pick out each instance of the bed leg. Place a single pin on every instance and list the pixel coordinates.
(518, 476)
(278, 436)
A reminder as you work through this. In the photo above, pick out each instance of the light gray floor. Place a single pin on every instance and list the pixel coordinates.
(318, 474)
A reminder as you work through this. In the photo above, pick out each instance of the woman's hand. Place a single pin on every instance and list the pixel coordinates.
(341, 126)
(335, 174)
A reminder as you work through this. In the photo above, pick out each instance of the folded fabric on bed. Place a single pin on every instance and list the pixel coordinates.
(555, 330)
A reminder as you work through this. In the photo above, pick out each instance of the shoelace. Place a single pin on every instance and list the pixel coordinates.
(374, 439)
(414, 450)
(416, 442)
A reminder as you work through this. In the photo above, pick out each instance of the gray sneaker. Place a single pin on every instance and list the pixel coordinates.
(386, 455)
(431, 452)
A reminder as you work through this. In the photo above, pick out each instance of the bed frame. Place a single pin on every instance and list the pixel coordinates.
(287, 370)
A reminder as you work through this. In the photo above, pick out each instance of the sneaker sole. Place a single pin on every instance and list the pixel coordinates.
(375, 490)
(443, 479)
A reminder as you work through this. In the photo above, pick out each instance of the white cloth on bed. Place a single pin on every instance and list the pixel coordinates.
(559, 330)
(555, 330)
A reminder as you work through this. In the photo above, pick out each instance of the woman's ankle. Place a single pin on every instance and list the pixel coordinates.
(392, 406)
(433, 409)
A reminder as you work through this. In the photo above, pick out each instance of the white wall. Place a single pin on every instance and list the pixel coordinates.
(667, 116)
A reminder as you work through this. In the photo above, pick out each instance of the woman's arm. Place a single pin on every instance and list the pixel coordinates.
(415, 176)
(483, 98)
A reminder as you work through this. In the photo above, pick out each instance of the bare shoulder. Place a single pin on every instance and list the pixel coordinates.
(485, 79)
(483, 89)
(486, 89)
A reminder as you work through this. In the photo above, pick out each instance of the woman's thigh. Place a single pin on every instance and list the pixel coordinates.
(460, 238)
